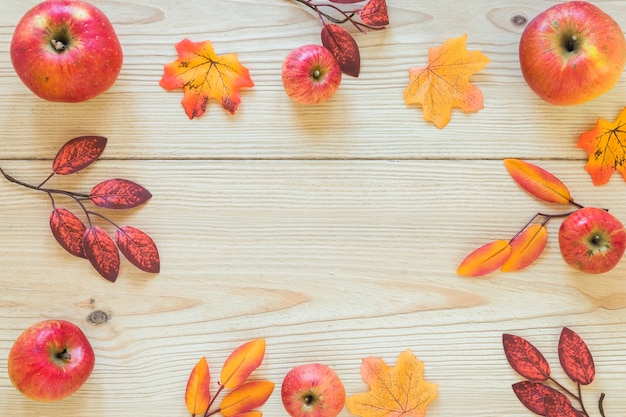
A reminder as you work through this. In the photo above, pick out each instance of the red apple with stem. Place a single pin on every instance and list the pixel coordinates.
(66, 50)
(50, 360)
(313, 390)
(311, 74)
(572, 53)
(592, 240)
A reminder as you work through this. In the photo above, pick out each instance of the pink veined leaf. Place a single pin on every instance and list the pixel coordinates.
(68, 230)
(575, 357)
(102, 252)
(375, 13)
(77, 154)
(532, 394)
(556, 407)
(525, 358)
(138, 248)
(119, 193)
(343, 47)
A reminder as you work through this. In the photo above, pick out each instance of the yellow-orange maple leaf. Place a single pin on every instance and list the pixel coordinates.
(444, 83)
(606, 146)
(398, 391)
(203, 75)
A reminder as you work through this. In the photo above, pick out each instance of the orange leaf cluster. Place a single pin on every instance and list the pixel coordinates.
(444, 83)
(245, 396)
(202, 75)
(394, 391)
(606, 146)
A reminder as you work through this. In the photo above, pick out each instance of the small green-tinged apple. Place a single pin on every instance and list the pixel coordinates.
(50, 360)
(572, 53)
(592, 240)
(66, 51)
(313, 390)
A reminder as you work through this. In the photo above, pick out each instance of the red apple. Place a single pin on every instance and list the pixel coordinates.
(66, 50)
(313, 390)
(50, 360)
(592, 240)
(572, 53)
(311, 74)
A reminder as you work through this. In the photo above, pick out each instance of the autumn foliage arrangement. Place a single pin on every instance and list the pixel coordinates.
(89, 240)
(541, 393)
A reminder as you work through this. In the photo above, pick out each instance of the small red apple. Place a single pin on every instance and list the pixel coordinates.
(572, 53)
(50, 360)
(311, 74)
(66, 50)
(592, 240)
(313, 390)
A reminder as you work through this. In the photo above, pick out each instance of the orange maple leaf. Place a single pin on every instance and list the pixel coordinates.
(394, 391)
(444, 82)
(203, 75)
(606, 146)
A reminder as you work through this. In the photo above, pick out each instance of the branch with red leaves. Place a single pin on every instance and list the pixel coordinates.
(91, 241)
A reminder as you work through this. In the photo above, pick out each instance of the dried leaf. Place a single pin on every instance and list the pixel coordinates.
(343, 47)
(203, 75)
(525, 358)
(526, 248)
(138, 248)
(394, 391)
(242, 362)
(575, 357)
(538, 182)
(485, 259)
(247, 397)
(78, 154)
(556, 407)
(375, 13)
(68, 230)
(444, 83)
(102, 252)
(532, 394)
(197, 394)
(118, 193)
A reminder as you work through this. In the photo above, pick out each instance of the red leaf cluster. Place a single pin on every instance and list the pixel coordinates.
(535, 393)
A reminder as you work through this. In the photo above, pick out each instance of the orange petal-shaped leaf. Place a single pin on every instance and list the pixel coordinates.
(246, 398)
(526, 248)
(198, 395)
(242, 362)
(538, 182)
(485, 259)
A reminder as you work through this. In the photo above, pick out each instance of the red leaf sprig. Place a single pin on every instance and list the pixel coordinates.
(535, 393)
(525, 246)
(244, 396)
(373, 15)
(91, 241)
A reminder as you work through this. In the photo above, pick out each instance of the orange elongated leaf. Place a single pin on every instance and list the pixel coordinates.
(526, 248)
(394, 391)
(242, 362)
(444, 84)
(246, 398)
(197, 394)
(203, 75)
(537, 181)
(485, 259)
(606, 146)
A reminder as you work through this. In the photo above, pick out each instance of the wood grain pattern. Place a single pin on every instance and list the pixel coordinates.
(334, 231)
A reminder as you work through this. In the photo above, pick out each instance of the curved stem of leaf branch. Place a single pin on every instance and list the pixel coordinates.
(600, 404)
(578, 397)
(547, 217)
(208, 411)
(14, 180)
(103, 217)
(348, 16)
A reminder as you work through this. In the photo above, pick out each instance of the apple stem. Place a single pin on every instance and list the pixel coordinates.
(64, 356)
(58, 45)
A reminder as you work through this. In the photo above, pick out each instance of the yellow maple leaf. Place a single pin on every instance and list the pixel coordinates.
(444, 83)
(203, 75)
(606, 146)
(398, 391)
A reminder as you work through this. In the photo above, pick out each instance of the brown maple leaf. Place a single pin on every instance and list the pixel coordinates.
(606, 146)
(444, 82)
(203, 75)
(394, 391)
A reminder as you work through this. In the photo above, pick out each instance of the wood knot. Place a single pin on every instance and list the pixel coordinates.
(98, 317)
(519, 20)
